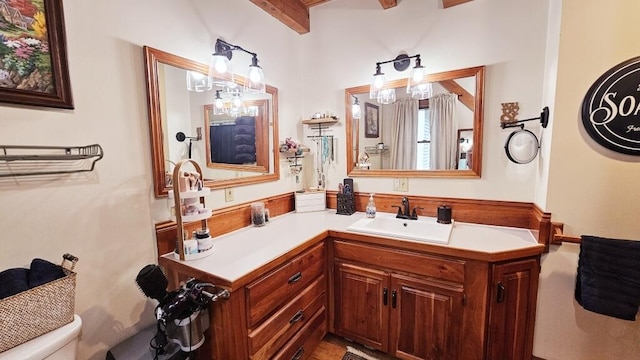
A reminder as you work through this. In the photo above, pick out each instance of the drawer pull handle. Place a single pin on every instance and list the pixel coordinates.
(500, 294)
(394, 299)
(385, 295)
(295, 278)
(298, 354)
(296, 317)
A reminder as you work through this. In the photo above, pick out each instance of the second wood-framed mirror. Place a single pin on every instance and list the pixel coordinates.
(418, 138)
(173, 109)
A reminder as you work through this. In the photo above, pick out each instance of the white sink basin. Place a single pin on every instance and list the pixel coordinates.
(425, 229)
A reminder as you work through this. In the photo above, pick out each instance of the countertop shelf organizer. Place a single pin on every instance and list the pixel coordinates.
(188, 197)
(21, 160)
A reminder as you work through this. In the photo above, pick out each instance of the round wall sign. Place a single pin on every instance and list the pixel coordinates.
(611, 108)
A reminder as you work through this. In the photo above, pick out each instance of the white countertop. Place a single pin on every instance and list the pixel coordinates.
(240, 252)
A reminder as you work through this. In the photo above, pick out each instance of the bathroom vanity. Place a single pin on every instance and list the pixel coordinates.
(305, 274)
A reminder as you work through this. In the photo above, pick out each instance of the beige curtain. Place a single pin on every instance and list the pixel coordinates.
(405, 134)
(444, 131)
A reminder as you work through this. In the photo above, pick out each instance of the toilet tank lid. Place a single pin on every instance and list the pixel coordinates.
(47, 344)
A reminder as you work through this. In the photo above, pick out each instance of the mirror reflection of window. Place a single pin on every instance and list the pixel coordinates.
(424, 138)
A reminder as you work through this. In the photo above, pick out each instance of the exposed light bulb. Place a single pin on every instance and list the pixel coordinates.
(378, 82)
(254, 74)
(220, 66)
(418, 75)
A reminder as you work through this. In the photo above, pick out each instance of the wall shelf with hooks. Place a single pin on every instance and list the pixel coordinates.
(19, 160)
(372, 150)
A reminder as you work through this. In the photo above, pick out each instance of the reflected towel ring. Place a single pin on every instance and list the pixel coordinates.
(522, 146)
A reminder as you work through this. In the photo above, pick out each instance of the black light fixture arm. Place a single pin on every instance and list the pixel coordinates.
(400, 63)
(224, 48)
(544, 120)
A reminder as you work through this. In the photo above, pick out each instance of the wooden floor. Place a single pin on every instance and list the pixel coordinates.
(333, 347)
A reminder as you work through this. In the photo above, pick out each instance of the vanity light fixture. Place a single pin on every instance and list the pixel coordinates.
(218, 104)
(417, 85)
(198, 82)
(355, 108)
(221, 74)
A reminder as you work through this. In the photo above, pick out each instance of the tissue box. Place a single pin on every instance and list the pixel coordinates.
(311, 201)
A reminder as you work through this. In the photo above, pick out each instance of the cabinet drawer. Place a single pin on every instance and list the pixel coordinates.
(436, 267)
(302, 345)
(268, 293)
(267, 338)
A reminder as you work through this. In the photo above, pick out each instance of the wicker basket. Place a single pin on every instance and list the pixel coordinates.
(37, 311)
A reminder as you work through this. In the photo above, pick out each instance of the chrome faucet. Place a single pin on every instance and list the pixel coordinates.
(404, 212)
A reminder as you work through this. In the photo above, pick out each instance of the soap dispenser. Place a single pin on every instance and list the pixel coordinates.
(371, 207)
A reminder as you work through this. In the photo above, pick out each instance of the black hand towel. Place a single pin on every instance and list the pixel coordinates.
(43, 271)
(13, 281)
(608, 279)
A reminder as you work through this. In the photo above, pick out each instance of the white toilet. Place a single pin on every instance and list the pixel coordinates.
(59, 344)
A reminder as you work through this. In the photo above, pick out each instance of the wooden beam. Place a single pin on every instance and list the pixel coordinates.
(386, 4)
(467, 99)
(450, 3)
(310, 3)
(292, 13)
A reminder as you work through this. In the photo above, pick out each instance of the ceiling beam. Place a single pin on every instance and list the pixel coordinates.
(450, 3)
(386, 4)
(463, 95)
(292, 13)
(310, 3)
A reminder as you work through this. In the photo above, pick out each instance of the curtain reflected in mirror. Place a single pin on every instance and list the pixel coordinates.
(420, 137)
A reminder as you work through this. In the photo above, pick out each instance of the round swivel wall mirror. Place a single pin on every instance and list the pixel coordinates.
(522, 146)
(173, 109)
(375, 142)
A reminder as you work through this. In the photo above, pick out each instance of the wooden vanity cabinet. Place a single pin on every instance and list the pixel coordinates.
(512, 309)
(286, 316)
(416, 305)
(277, 312)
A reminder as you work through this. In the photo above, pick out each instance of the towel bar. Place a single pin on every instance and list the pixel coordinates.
(557, 237)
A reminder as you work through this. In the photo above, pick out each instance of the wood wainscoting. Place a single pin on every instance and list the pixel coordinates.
(488, 212)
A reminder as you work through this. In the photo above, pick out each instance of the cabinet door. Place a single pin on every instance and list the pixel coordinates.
(512, 310)
(426, 318)
(361, 304)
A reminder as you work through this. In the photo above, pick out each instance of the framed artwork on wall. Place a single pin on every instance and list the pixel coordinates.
(371, 121)
(33, 54)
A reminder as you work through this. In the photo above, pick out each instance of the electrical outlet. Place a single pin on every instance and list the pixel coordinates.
(400, 184)
(228, 194)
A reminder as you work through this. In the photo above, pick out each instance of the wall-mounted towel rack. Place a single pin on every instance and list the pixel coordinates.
(557, 236)
(20, 160)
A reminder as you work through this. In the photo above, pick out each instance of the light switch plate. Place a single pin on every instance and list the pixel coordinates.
(400, 184)
(228, 194)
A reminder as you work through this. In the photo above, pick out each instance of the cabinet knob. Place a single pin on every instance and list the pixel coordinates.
(385, 295)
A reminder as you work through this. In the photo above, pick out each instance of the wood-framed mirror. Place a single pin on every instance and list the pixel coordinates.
(430, 145)
(173, 109)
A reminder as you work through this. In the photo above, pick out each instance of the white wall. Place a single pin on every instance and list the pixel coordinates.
(107, 217)
(590, 190)
(348, 37)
